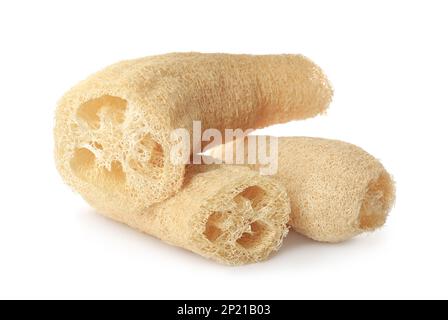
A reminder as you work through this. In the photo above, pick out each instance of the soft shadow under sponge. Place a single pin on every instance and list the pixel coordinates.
(337, 189)
(113, 129)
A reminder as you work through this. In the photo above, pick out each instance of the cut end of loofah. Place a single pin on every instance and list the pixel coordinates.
(104, 150)
(246, 221)
(377, 203)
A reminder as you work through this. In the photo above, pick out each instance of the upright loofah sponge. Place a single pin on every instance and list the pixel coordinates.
(337, 190)
(230, 214)
(113, 129)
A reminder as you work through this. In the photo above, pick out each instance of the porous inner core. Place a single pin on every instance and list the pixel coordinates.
(374, 207)
(247, 203)
(94, 160)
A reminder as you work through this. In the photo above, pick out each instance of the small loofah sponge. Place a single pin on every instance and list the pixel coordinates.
(230, 214)
(113, 129)
(337, 190)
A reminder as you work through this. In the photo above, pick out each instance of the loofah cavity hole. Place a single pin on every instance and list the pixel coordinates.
(149, 158)
(84, 166)
(104, 109)
(219, 224)
(255, 195)
(254, 236)
(256, 230)
(376, 203)
(213, 226)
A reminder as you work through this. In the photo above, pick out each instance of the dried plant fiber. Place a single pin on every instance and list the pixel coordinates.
(229, 214)
(113, 129)
(337, 190)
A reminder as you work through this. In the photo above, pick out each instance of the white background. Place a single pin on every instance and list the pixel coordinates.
(388, 62)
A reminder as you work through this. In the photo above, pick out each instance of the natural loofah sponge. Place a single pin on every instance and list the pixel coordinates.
(337, 190)
(230, 214)
(113, 129)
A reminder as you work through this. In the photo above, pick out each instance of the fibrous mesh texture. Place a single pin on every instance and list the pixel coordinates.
(230, 214)
(113, 129)
(337, 190)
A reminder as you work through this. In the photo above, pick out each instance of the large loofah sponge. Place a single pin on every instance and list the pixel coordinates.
(113, 129)
(230, 214)
(337, 190)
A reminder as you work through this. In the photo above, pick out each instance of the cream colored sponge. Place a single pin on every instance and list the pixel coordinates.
(337, 190)
(113, 129)
(230, 214)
